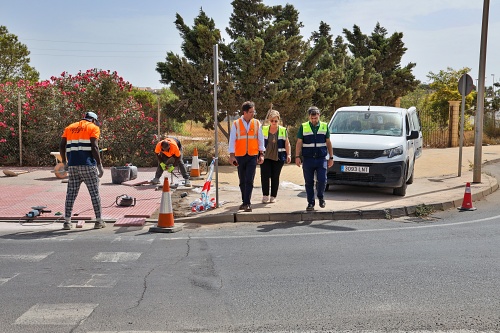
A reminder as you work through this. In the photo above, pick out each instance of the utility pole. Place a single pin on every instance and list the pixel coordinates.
(478, 121)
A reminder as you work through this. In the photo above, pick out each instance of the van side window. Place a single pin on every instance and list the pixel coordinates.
(416, 122)
(408, 125)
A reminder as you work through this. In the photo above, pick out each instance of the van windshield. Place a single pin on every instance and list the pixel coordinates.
(367, 123)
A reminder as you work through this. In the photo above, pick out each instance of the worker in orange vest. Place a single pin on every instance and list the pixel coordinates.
(246, 150)
(169, 152)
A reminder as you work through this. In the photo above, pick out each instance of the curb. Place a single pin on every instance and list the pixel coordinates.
(297, 216)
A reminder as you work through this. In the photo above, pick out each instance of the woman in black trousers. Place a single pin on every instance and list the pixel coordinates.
(277, 153)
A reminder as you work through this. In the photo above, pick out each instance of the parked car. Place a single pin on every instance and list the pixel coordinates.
(375, 146)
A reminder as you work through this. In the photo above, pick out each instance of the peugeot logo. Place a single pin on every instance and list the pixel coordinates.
(356, 154)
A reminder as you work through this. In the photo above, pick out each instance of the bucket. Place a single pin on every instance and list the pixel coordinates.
(133, 171)
(120, 174)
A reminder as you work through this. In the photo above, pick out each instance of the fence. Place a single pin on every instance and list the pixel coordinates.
(436, 135)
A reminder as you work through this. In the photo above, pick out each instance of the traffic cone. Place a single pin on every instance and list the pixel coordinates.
(467, 202)
(166, 216)
(195, 165)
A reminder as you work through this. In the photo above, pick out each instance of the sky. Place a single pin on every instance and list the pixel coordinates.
(131, 37)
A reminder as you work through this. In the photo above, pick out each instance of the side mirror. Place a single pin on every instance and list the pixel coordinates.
(413, 135)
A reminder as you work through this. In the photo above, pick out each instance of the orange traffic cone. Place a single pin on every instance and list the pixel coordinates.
(166, 216)
(467, 202)
(195, 164)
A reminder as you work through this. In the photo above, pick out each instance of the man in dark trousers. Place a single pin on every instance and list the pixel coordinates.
(80, 154)
(246, 148)
(311, 151)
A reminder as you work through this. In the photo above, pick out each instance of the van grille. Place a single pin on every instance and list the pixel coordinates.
(357, 153)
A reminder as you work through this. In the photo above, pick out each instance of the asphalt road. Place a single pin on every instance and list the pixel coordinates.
(440, 273)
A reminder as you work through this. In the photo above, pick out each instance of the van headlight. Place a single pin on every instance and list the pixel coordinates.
(393, 152)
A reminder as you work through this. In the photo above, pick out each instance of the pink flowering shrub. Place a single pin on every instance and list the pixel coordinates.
(47, 107)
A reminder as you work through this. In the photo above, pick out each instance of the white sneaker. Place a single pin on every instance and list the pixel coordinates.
(67, 225)
(99, 225)
(272, 200)
(265, 199)
(187, 183)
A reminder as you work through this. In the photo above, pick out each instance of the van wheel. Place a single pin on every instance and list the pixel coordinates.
(410, 180)
(401, 191)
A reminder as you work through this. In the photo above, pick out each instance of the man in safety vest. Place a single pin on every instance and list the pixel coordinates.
(246, 148)
(312, 148)
(80, 154)
(169, 152)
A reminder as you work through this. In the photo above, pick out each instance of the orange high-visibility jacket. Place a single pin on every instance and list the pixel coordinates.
(246, 142)
(173, 151)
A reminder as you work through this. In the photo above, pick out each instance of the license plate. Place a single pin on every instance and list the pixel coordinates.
(354, 168)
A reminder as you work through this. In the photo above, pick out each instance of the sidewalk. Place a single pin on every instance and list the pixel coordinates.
(436, 185)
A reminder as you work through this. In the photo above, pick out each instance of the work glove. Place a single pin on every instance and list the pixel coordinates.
(163, 166)
(100, 171)
(170, 168)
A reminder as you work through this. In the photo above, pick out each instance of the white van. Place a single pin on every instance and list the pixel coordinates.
(375, 146)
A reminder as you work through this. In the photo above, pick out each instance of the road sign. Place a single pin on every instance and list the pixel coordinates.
(465, 85)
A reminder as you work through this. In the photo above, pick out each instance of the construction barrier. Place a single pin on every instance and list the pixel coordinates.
(467, 202)
(166, 216)
(195, 165)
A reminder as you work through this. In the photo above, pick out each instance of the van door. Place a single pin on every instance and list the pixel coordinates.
(418, 143)
(410, 146)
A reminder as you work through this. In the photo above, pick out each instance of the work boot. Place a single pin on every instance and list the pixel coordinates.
(99, 225)
(322, 203)
(187, 183)
(155, 181)
(67, 225)
(310, 207)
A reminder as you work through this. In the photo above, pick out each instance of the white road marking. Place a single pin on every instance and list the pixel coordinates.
(442, 225)
(56, 314)
(94, 281)
(116, 256)
(4, 280)
(25, 257)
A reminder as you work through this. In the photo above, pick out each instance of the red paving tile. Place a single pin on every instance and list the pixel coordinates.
(41, 188)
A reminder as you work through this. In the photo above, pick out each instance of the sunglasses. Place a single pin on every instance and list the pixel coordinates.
(273, 121)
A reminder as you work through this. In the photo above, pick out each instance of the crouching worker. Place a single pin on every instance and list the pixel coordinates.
(169, 152)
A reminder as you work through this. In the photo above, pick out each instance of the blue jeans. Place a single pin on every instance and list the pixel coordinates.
(246, 172)
(314, 167)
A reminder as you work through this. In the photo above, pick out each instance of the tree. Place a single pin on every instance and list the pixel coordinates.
(444, 87)
(191, 77)
(14, 60)
(381, 56)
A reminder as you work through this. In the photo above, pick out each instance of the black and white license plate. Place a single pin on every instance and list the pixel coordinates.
(355, 168)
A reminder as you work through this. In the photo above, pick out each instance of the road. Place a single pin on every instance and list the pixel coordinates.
(440, 273)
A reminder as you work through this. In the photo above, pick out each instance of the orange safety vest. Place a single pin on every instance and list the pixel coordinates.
(173, 151)
(246, 142)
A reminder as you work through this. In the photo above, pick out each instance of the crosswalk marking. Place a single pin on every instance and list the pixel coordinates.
(116, 256)
(25, 257)
(56, 314)
(94, 281)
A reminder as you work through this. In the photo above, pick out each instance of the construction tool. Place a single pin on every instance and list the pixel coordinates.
(14, 173)
(37, 210)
